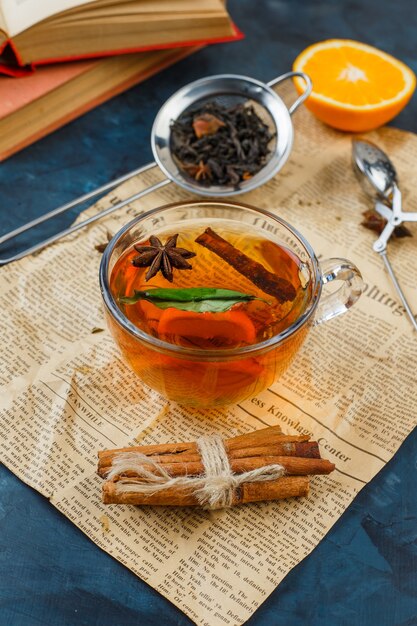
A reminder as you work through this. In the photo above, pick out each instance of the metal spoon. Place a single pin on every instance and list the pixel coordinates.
(379, 180)
(376, 173)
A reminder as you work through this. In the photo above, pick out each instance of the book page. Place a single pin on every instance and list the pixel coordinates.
(147, 8)
(66, 394)
(18, 15)
(96, 29)
(3, 26)
(21, 14)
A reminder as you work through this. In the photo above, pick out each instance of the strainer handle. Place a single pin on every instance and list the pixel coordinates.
(307, 91)
(79, 225)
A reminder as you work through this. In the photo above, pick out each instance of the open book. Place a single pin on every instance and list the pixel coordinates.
(38, 32)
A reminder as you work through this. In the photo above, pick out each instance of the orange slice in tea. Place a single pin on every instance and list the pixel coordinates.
(230, 327)
(145, 315)
(356, 87)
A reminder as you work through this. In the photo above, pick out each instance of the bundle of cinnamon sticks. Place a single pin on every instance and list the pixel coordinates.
(299, 457)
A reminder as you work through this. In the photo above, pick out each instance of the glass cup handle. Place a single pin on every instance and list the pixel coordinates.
(339, 301)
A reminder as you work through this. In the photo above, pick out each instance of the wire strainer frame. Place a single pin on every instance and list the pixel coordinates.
(208, 88)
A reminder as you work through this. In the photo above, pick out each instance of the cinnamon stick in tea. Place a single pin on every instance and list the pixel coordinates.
(279, 288)
(285, 487)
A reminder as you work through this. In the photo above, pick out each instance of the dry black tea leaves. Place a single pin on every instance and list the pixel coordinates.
(216, 145)
(374, 221)
(162, 257)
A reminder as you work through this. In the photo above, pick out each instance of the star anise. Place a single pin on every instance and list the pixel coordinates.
(100, 247)
(201, 171)
(374, 221)
(158, 256)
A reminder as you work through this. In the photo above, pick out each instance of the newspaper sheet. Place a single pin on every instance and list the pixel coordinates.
(67, 394)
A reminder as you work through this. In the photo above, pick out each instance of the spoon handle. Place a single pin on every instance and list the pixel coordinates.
(400, 292)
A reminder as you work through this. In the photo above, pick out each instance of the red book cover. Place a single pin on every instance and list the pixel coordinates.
(11, 63)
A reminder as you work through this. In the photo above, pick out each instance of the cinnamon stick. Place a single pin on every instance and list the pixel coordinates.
(261, 437)
(251, 451)
(286, 487)
(294, 466)
(271, 284)
(308, 449)
(246, 440)
(268, 437)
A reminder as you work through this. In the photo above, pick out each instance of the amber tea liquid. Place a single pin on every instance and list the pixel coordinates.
(189, 377)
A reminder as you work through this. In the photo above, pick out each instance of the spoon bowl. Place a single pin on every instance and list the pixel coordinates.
(374, 170)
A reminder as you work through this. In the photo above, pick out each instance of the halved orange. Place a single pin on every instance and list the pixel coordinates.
(356, 87)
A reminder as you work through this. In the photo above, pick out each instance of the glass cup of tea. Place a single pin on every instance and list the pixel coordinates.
(209, 301)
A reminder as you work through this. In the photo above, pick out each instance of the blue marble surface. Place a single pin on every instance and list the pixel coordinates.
(364, 573)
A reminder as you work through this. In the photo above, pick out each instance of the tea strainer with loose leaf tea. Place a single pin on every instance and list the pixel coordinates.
(227, 90)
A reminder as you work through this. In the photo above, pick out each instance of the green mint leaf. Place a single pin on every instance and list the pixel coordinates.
(197, 299)
(198, 306)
